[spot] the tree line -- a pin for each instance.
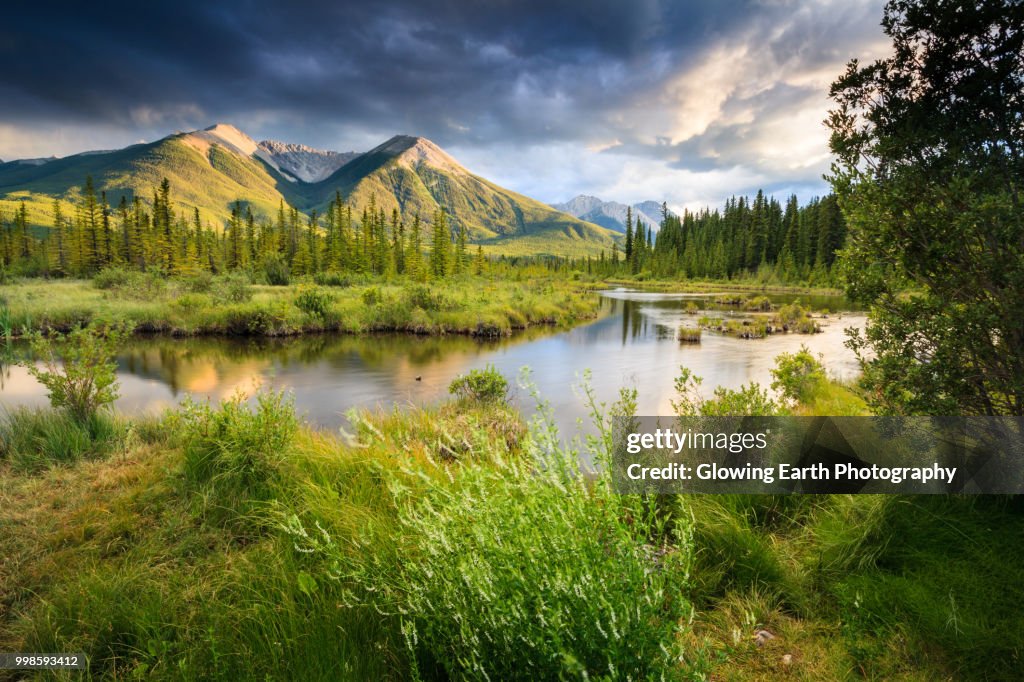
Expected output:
(749, 236)
(96, 235)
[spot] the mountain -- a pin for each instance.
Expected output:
(302, 163)
(611, 214)
(212, 168)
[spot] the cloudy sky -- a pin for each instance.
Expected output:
(682, 101)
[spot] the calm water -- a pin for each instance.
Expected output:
(633, 344)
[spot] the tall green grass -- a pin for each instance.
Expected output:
(230, 304)
(227, 542)
(31, 440)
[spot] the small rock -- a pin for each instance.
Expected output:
(762, 637)
(419, 378)
(787, 659)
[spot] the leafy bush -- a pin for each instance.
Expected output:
(255, 319)
(192, 302)
(426, 298)
(234, 288)
(796, 375)
(762, 303)
(372, 296)
(748, 400)
(275, 270)
(314, 301)
(480, 385)
(332, 279)
(200, 283)
(78, 371)
(237, 448)
(131, 284)
(112, 278)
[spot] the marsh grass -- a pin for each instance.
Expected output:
(450, 542)
(31, 440)
(230, 304)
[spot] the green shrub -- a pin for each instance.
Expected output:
(112, 278)
(332, 279)
(79, 372)
(797, 375)
(234, 288)
(314, 301)
(275, 270)
(131, 284)
(236, 448)
(372, 296)
(192, 302)
(480, 385)
(689, 334)
(426, 298)
(200, 283)
(748, 400)
(791, 313)
(255, 319)
(761, 303)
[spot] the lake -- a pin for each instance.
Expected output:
(632, 343)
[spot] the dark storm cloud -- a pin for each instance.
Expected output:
(679, 83)
(380, 64)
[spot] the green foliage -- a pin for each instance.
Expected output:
(32, 440)
(480, 385)
(112, 278)
(234, 288)
(200, 283)
(276, 271)
(332, 279)
(514, 570)
(517, 575)
(748, 400)
(129, 284)
(929, 175)
(797, 375)
(759, 303)
(314, 301)
(235, 448)
(372, 296)
(689, 334)
(425, 297)
(78, 370)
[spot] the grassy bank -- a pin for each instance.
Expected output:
(236, 543)
(231, 305)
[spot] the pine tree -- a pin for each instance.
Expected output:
(414, 253)
(440, 254)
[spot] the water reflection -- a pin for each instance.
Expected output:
(632, 343)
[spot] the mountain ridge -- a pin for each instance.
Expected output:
(213, 168)
(611, 214)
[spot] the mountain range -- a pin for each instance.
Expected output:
(611, 214)
(213, 168)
